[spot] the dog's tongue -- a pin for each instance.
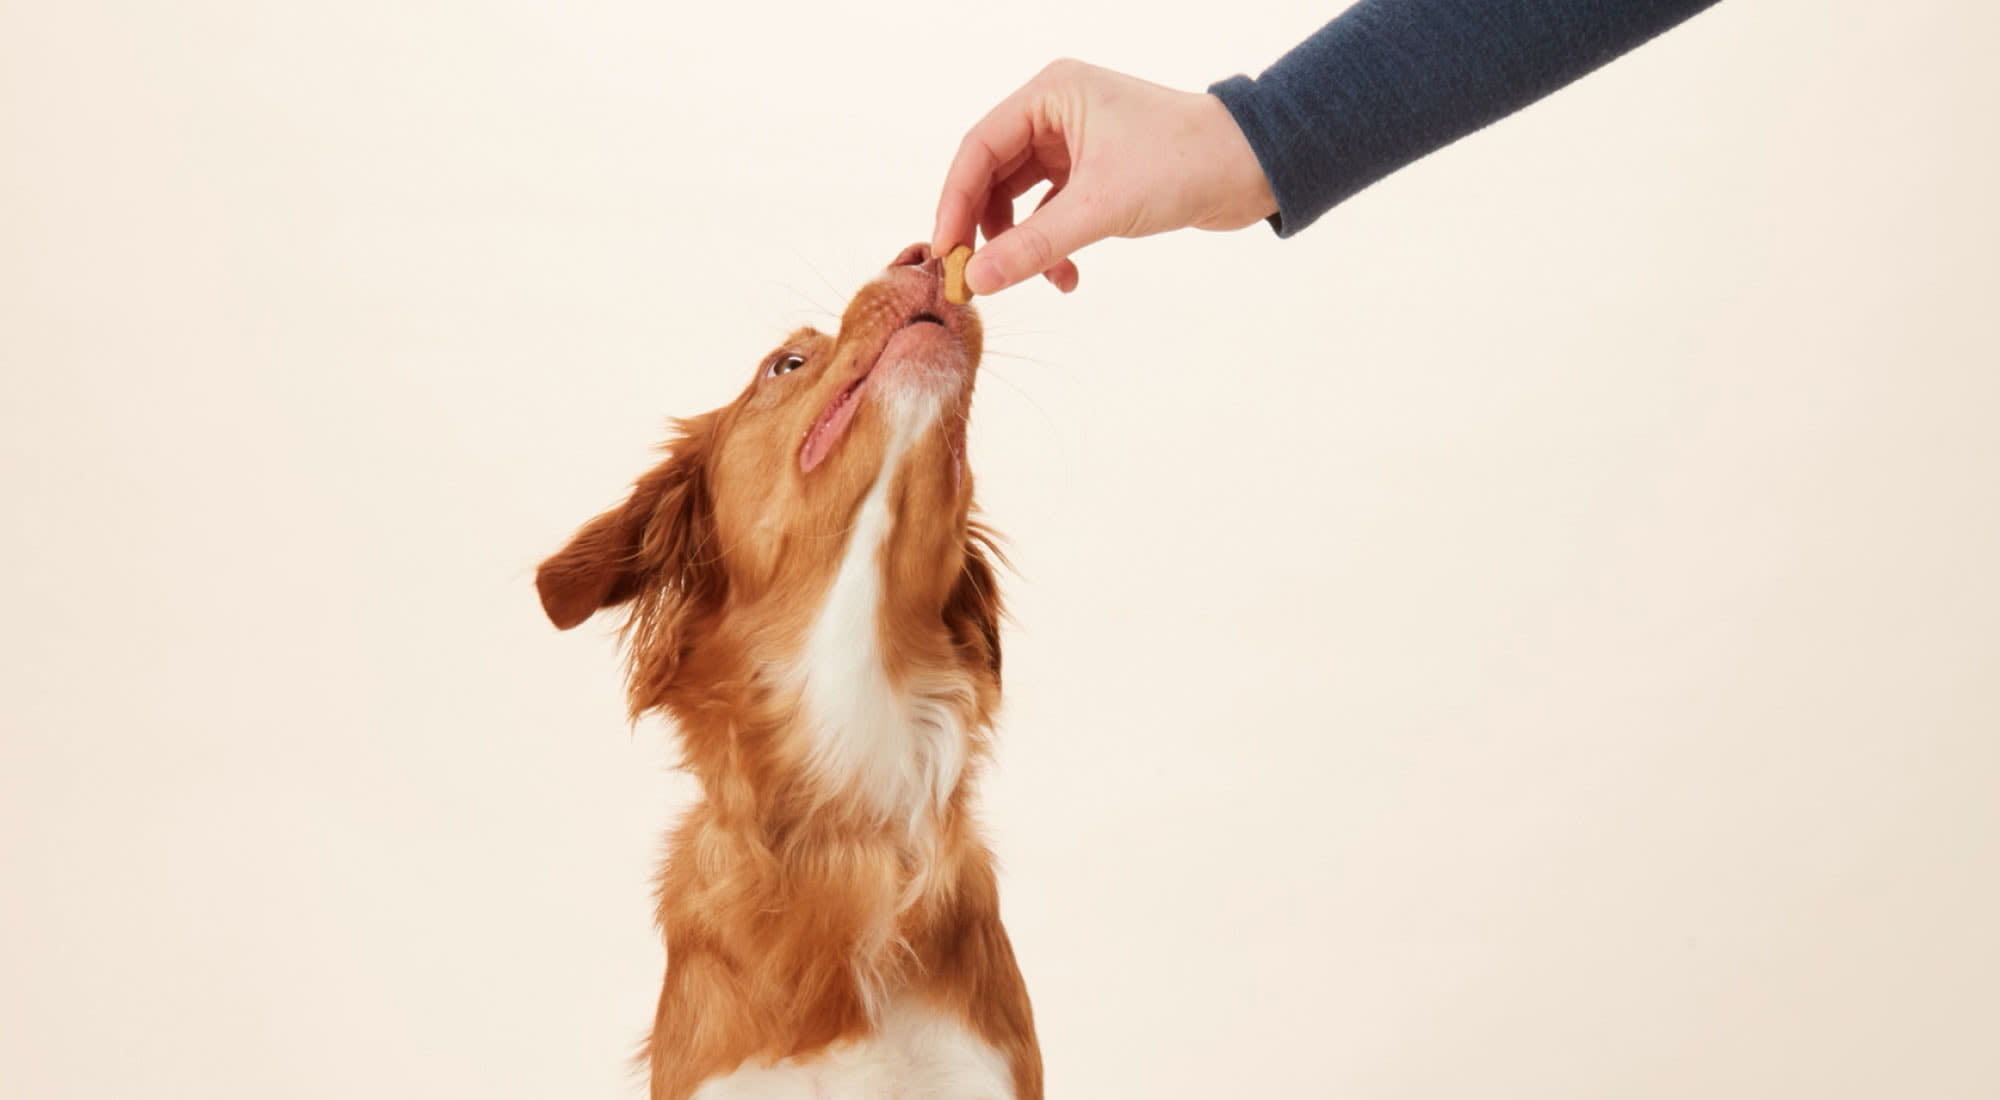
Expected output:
(832, 424)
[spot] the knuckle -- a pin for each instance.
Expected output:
(969, 145)
(1061, 68)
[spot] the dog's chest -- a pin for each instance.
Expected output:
(916, 1053)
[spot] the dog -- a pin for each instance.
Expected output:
(812, 602)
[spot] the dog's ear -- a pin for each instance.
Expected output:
(973, 610)
(662, 535)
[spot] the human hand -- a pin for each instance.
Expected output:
(1124, 157)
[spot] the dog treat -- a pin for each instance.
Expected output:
(955, 290)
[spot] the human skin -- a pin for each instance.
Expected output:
(1124, 157)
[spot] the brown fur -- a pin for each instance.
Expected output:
(784, 904)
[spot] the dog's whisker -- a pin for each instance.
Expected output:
(1024, 360)
(1047, 420)
(821, 276)
(818, 307)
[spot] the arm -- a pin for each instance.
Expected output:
(1390, 81)
(1385, 83)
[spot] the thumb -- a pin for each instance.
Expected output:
(1064, 223)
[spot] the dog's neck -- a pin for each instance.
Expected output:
(880, 724)
(857, 706)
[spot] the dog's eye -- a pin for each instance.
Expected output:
(784, 364)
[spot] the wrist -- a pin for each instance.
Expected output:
(1243, 194)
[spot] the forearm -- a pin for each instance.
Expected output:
(1390, 81)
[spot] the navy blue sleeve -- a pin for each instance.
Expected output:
(1391, 80)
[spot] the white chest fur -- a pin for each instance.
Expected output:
(915, 1053)
(901, 752)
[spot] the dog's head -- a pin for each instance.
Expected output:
(738, 539)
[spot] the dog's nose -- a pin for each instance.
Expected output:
(917, 255)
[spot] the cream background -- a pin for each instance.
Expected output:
(1535, 635)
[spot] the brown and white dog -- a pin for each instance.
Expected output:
(813, 605)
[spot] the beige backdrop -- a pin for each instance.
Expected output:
(1533, 636)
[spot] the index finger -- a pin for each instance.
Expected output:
(995, 148)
